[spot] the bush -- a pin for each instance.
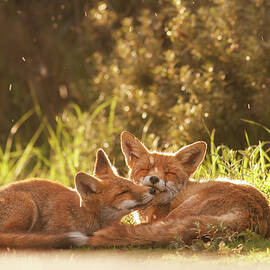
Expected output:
(174, 69)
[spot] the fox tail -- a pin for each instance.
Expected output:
(161, 233)
(166, 232)
(42, 240)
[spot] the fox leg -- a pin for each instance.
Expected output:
(161, 233)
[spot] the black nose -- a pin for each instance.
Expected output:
(154, 179)
(152, 191)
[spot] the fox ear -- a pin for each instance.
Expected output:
(87, 184)
(103, 165)
(131, 147)
(191, 156)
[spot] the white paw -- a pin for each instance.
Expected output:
(77, 238)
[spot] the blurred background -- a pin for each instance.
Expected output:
(75, 74)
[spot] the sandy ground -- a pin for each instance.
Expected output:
(122, 259)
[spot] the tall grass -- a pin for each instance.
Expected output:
(251, 164)
(72, 144)
(13, 161)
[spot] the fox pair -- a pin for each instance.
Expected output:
(42, 214)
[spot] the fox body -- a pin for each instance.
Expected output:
(44, 214)
(183, 208)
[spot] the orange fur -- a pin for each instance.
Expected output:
(184, 209)
(44, 214)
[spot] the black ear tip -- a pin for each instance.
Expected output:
(203, 144)
(102, 156)
(126, 133)
(79, 175)
(102, 160)
(101, 153)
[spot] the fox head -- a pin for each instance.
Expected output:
(111, 195)
(167, 172)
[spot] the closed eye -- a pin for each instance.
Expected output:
(123, 192)
(170, 173)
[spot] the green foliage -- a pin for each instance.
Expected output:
(175, 67)
(72, 145)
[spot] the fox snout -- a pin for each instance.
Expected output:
(163, 191)
(154, 182)
(154, 179)
(152, 191)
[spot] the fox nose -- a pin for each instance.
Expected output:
(152, 191)
(154, 179)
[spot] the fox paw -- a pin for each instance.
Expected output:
(78, 239)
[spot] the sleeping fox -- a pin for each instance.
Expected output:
(44, 214)
(184, 208)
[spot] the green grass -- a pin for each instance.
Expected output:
(70, 147)
(251, 164)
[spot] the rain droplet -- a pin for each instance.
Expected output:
(10, 87)
(23, 58)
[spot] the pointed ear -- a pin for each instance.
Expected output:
(103, 165)
(191, 156)
(131, 147)
(87, 184)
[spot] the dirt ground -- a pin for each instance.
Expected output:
(123, 259)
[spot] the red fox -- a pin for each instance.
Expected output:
(184, 209)
(43, 214)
